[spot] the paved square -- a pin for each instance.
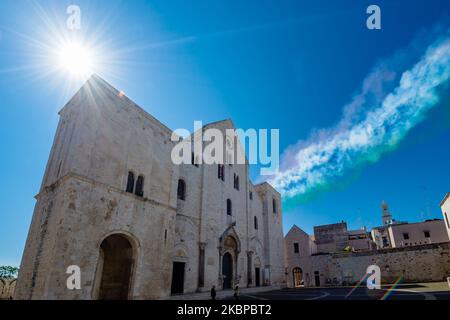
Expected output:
(431, 291)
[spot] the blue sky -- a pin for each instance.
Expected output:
(291, 65)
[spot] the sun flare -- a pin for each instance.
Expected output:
(76, 59)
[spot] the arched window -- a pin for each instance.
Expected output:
(115, 276)
(229, 209)
(255, 221)
(181, 192)
(194, 160)
(236, 181)
(197, 161)
(274, 205)
(229, 159)
(130, 182)
(139, 186)
(221, 172)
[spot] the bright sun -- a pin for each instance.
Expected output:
(76, 59)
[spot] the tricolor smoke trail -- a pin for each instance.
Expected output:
(368, 129)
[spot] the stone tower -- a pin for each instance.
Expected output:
(385, 214)
(107, 203)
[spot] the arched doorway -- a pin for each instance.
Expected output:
(298, 277)
(229, 249)
(117, 260)
(227, 270)
(257, 272)
(179, 269)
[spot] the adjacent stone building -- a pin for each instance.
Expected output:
(298, 246)
(138, 226)
(421, 263)
(360, 240)
(417, 252)
(395, 234)
(445, 207)
(331, 237)
(412, 234)
(380, 235)
(336, 237)
(7, 287)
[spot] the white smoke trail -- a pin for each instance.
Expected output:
(363, 138)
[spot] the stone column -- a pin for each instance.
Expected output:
(249, 268)
(220, 278)
(236, 276)
(201, 265)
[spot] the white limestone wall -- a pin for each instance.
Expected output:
(81, 225)
(274, 242)
(296, 235)
(292, 259)
(415, 264)
(203, 213)
(416, 233)
(445, 207)
(101, 136)
(187, 231)
(215, 194)
(98, 142)
(256, 236)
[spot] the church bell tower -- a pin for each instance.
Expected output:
(385, 214)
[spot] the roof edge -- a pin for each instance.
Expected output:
(445, 199)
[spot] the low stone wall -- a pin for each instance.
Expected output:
(425, 263)
(7, 287)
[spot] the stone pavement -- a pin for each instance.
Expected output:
(223, 294)
(427, 287)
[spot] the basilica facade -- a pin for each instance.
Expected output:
(137, 226)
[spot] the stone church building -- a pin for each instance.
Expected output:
(138, 226)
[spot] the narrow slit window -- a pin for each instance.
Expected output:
(221, 172)
(181, 192)
(140, 186)
(229, 208)
(130, 182)
(236, 181)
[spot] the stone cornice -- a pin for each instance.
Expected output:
(61, 181)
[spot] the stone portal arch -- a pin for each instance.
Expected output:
(297, 274)
(230, 232)
(116, 267)
(227, 271)
(2, 288)
(257, 270)
(229, 249)
(179, 261)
